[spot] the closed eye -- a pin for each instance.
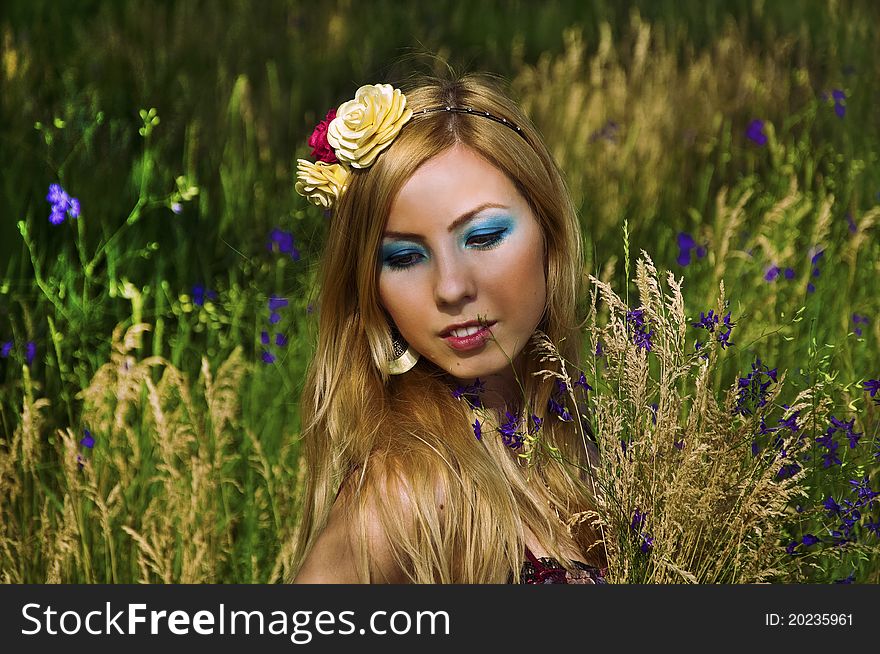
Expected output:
(486, 241)
(403, 260)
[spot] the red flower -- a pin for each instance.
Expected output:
(321, 149)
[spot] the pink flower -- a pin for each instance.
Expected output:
(321, 149)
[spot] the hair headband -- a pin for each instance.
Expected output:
(353, 135)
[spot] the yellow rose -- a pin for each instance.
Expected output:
(365, 126)
(320, 182)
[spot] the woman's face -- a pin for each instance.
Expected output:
(462, 246)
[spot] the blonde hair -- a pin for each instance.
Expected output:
(451, 507)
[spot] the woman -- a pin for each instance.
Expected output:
(452, 241)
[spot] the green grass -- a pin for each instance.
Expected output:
(238, 89)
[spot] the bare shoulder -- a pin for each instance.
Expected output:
(355, 516)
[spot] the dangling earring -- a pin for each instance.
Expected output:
(404, 356)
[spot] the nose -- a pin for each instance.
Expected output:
(454, 281)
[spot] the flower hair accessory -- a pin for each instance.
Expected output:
(352, 136)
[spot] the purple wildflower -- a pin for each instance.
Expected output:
(846, 580)
(62, 205)
(789, 273)
(554, 406)
(510, 435)
(752, 391)
(848, 428)
(686, 243)
(788, 470)
(608, 132)
(30, 352)
(872, 386)
(199, 293)
(850, 223)
(282, 242)
(88, 440)
(857, 319)
(706, 322)
(478, 429)
(276, 303)
(268, 357)
(831, 506)
(755, 132)
(863, 489)
(638, 520)
(582, 382)
(536, 424)
(176, 208)
(789, 549)
(5, 349)
(809, 539)
(839, 98)
(264, 337)
(771, 274)
(280, 340)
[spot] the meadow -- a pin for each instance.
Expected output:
(157, 272)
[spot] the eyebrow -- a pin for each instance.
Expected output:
(463, 218)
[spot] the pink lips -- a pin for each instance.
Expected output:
(472, 342)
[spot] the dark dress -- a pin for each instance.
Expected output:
(546, 570)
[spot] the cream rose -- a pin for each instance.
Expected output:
(320, 182)
(365, 126)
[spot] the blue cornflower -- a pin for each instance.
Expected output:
(478, 429)
(88, 440)
(5, 349)
(30, 352)
(755, 132)
(283, 242)
(62, 205)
